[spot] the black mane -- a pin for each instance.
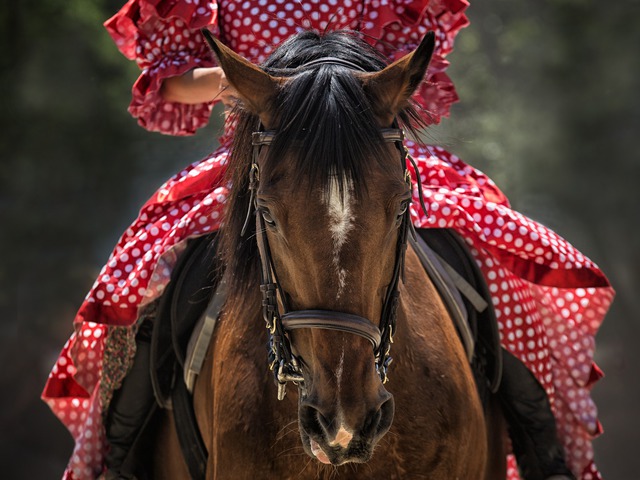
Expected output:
(325, 123)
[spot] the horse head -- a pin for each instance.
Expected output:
(325, 174)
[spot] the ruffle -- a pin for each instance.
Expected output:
(188, 205)
(549, 298)
(163, 37)
(156, 114)
(146, 18)
(396, 28)
(590, 472)
(550, 328)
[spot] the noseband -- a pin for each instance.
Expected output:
(282, 361)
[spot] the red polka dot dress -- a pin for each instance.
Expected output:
(549, 298)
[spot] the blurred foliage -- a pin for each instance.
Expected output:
(549, 108)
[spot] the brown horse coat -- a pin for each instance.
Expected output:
(336, 252)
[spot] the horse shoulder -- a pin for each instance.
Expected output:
(438, 398)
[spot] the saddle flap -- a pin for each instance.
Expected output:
(180, 308)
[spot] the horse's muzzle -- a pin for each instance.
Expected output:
(327, 439)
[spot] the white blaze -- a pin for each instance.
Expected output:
(343, 437)
(340, 224)
(339, 371)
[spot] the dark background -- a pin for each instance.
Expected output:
(550, 108)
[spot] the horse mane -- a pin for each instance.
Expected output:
(319, 114)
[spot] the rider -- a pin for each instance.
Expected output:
(549, 298)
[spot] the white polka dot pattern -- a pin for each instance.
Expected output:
(163, 37)
(545, 318)
(548, 297)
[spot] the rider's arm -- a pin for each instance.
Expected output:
(198, 86)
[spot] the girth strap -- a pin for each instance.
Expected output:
(201, 336)
(191, 442)
(337, 321)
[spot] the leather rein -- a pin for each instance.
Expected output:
(285, 365)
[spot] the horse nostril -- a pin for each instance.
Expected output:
(379, 421)
(322, 421)
(370, 426)
(313, 422)
(374, 425)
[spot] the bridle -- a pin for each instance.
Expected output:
(285, 365)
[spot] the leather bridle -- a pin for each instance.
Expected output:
(285, 365)
(282, 361)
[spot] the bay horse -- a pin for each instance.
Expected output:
(318, 161)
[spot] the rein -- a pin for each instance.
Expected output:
(285, 365)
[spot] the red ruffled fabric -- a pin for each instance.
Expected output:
(550, 328)
(164, 39)
(162, 36)
(549, 298)
(397, 29)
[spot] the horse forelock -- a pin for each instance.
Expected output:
(326, 132)
(326, 127)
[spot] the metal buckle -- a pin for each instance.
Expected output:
(254, 175)
(288, 372)
(407, 178)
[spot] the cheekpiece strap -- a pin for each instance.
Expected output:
(283, 362)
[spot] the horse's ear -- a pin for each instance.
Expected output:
(391, 88)
(256, 88)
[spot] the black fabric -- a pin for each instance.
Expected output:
(186, 297)
(161, 347)
(131, 408)
(193, 282)
(532, 426)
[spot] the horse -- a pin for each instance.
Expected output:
(315, 245)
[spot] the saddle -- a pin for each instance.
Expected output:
(196, 294)
(193, 282)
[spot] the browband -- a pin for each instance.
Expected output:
(266, 137)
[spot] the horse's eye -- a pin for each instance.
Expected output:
(403, 210)
(268, 219)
